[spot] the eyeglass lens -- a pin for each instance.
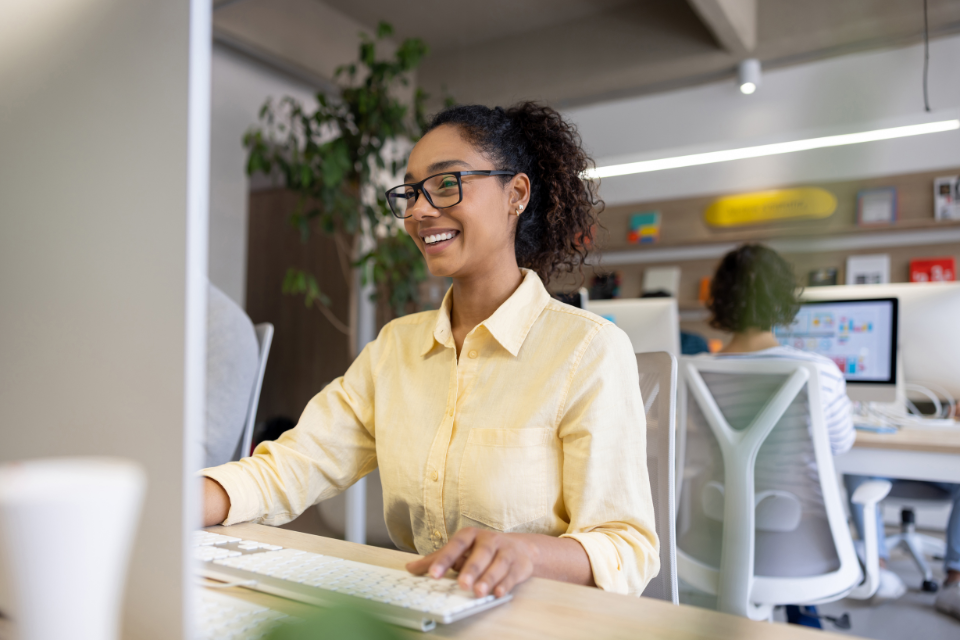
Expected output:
(444, 191)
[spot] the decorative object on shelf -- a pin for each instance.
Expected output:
(933, 270)
(771, 206)
(644, 228)
(946, 198)
(703, 296)
(824, 277)
(715, 345)
(877, 206)
(605, 286)
(871, 269)
(661, 279)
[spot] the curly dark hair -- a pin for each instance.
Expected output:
(553, 233)
(753, 288)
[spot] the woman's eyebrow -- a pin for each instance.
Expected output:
(436, 167)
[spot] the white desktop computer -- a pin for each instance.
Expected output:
(652, 324)
(859, 335)
(103, 244)
(928, 343)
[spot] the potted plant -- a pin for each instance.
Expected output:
(337, 158)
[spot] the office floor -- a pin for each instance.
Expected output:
(908, 618)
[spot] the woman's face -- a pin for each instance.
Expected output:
(482, 224)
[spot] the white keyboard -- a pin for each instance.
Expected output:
(222, 617)
(395, 596)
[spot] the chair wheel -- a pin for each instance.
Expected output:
(930, 586)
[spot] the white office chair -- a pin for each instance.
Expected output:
(264, 332)
(907, 495)
(658, 386)
(743, 513)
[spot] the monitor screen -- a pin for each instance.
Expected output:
(859, 335)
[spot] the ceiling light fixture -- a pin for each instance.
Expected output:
(712, 157)
(748, 75)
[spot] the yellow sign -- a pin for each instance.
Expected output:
(771, 206)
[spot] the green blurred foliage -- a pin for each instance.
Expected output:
(331, 157)
(339, 623)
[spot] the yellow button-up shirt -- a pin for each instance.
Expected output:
(538, 427)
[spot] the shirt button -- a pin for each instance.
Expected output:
(436, 534)
(435, 476)
(472, 354)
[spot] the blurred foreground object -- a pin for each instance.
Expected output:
(66, 530)
(337, 624)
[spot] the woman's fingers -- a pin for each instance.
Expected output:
(439, 562)
(481, 555)
(494, 574)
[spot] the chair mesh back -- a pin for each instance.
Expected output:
(658, 387)
(785, 462)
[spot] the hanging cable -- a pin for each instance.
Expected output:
(926, 56)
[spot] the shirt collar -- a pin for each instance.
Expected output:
(509, 325)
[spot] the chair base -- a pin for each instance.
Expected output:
(918, 545)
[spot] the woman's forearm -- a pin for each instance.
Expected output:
(559, 559)
(216, 503)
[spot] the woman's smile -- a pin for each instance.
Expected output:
(436, 240)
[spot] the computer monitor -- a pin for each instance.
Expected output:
(652, 324)
(929, 340)
(860, 336)
(103, 245)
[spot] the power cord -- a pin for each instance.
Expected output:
(896, 416)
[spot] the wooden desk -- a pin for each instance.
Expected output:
(911, 454)
(540, 608)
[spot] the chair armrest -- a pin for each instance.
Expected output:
(869, 494)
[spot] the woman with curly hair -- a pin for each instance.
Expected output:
(754, 290)
(508, 427)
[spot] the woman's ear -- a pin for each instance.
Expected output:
(519, 193)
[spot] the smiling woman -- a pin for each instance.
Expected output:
(508, 427)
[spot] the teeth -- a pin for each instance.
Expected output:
(440, 237)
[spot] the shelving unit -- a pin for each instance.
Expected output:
(687, 241)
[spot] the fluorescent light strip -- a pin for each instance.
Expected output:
(770, 149)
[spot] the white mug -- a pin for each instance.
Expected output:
(67, 526)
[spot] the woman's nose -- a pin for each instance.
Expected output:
(422, 209)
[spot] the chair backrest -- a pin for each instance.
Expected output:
(264, 332)
(658, 387)
(739, 591)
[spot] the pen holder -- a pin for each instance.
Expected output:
(67, 526)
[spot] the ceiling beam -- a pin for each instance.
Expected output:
(732, 22)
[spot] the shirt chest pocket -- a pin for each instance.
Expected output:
(508, 476)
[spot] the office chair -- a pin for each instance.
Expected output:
(658, 387)
(264, 332)
(907, 495)
(744, 513)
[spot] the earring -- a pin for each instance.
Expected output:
(519, 210)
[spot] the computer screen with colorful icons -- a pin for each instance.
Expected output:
(860, 336)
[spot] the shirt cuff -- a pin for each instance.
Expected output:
(242, 491)
(608, 571)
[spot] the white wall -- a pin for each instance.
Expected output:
(240, 87)
(837, 95)
(102, 258)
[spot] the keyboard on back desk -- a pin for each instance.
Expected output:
(395, 596)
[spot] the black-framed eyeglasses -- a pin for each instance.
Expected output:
(442, 190)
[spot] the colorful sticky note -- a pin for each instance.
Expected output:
(644, 228)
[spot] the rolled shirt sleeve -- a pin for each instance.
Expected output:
(331, 447)
(605, 483)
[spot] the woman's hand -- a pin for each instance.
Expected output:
(488, 561)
